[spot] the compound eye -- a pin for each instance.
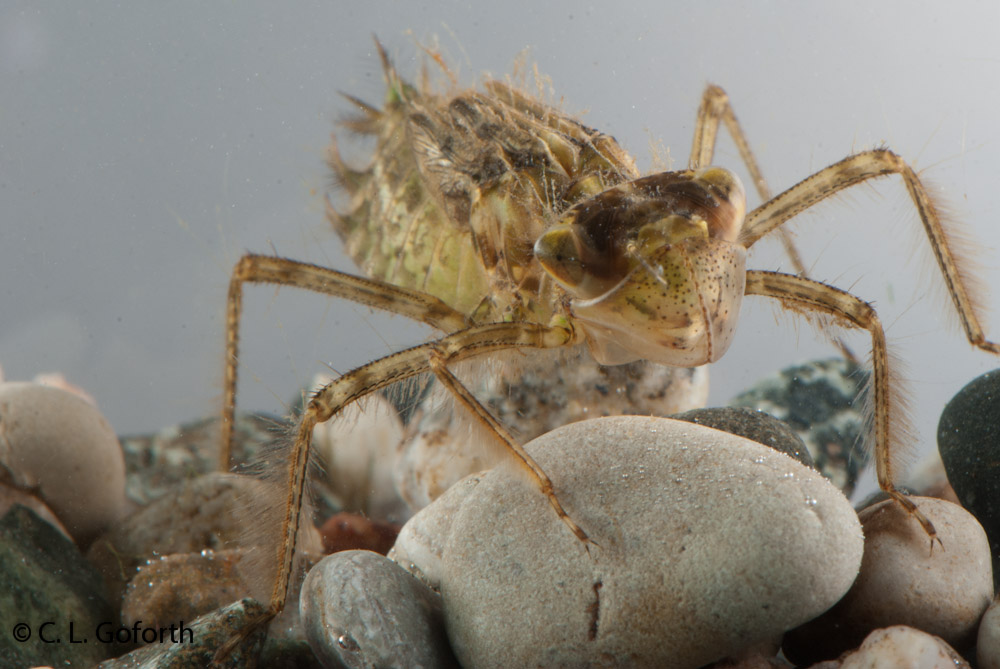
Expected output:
(562, 253)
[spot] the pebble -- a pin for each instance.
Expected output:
(754, 425)
(360, 609)
(899, 647)
(181, 587)
(45, 578)
(59, 447)
(969, 443)
(706, 543)
(988, 643)
(207, 512)
(821, 402)
(358, 451)
(904, 582)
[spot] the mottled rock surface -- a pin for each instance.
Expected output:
(44, 578)
(197, 645)
(213, 512)
(176, 589)
(822, 402)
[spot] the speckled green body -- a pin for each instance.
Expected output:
(459, 188)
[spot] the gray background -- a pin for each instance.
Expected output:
(144, 146)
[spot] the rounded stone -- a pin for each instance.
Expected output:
(59, 447)
(754, 425)
(903, 581)
(969, 443)
(704, 543)
(358, 450)
(213, 511)
(899, 646)
(181, 587)
(360, 609)
(988, 642)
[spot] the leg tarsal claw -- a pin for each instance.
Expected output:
(912, 509)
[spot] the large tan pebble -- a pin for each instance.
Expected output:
(988, 645)
(704, 543)
(904, 582)
(61, 448)
(212, 511)
(899, 647)
(181, 587)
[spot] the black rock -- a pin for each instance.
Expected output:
(969, 443)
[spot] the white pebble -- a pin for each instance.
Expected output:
(358, 450)
(60, 447)
(899, 647)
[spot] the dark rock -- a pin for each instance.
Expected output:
(44, 578)
(822, 402)
(754, 425)
(969, 443)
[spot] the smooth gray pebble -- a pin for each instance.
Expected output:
(360, 609)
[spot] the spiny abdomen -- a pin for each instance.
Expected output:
(460, 187)
(394, 230)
